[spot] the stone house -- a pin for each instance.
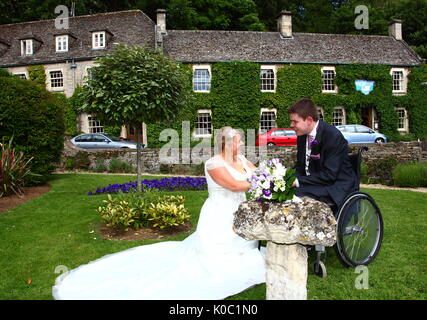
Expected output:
(68, 54)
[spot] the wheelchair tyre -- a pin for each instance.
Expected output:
(359, 230)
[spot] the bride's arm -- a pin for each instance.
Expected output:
(222, 177)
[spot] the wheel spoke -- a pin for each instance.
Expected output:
(360, 233)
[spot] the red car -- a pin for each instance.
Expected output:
(277, 137)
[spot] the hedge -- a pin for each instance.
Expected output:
(34, 117)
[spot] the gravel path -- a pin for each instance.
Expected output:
(380, 186)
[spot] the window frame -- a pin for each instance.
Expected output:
(90, 120)
(272, 110)
(203, 135)
(202, 67)
(24, 48)
(344, 122)
(329, 68)
(405, 120)
(58, 41)
(19, 74)
(50, 87)
(274, 69)
(95, 45)
(404, 81)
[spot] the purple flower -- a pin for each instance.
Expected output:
(315, 156)
(167, 184)
(267, 192)
(314, 143)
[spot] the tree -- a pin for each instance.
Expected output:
(135, 85)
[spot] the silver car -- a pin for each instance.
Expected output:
(101, 141)
(356, 133)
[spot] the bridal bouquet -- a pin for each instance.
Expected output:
(272, 181)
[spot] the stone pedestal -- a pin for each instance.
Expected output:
(286, 276)
(287, 227)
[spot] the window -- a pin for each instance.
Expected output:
(84, 138)
(267, 120)
(98, 40)
(95, 125)
(98, 138)
(61, 43)
(351, 129)
(279, 133)
(290, 133)
(56, 79)
(320, 113)
(268, 79)
(22, 75)
(328, 77)
(338, 116)
(26, 47)
(203, 123)
(403, 123)
(399, 80)
(363, 129)
(201, 78)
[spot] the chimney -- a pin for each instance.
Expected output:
(284, 24)
(395, 29)
(161, 21)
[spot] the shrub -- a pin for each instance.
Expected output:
(81, 160)
(14, 170)
(138, 210)
(363, 173)
(119, 213)
(34, 117)
(117, 165)
(412, 175)
(168, 212)
(69, 164)
(380, 171)
(100, 165)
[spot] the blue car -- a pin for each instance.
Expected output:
(356, 133)
(101, 141)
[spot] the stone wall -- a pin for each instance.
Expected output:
(402, 152)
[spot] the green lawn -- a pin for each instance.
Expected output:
(59, 228)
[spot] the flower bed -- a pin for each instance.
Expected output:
(164, 184)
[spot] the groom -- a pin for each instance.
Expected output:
(323, 168)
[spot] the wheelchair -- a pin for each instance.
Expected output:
(359, 227)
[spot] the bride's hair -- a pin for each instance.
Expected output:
(224, 138)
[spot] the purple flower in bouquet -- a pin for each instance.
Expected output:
(267, 192)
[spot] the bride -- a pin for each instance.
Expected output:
(211, 263)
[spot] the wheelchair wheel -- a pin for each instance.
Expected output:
(359, 230)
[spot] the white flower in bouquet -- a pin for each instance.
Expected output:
(272, 181)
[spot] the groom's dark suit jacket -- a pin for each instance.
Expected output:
(332, 175)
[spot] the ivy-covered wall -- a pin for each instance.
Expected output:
(235, 98)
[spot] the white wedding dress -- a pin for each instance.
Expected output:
(211, 263)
